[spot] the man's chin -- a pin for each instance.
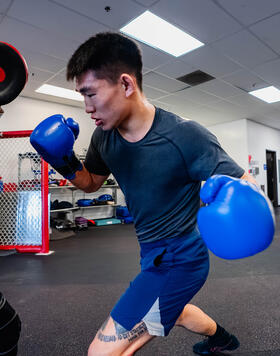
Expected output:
(98, 123)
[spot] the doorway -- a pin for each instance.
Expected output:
(271, 175)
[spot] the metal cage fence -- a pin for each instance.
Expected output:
(24, 213)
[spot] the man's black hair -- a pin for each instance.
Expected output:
(109, 55)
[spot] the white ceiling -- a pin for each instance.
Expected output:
(242, 51)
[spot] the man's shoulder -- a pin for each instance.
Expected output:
(170, 124)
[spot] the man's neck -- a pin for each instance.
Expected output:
(138, 123)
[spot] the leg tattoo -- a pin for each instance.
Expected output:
(130, 335)
(105, 338)
(121, 332)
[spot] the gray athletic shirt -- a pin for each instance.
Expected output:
(161, 174)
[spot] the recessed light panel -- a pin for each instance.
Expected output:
(268, 94)
(160, 34)
(59, 92)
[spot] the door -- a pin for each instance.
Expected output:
(271, 175)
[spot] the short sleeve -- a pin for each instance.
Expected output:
(203, 154)
(94, 162)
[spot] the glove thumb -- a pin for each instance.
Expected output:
(212, 186)
(74, 126)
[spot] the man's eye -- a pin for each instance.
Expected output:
(90, 95)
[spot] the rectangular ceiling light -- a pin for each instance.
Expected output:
(59, 92)
(268, 94)
(160, 34)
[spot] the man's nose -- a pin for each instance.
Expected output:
(89, 108)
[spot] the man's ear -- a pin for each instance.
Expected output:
(128, 83)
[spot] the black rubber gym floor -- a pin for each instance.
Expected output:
(65, 297)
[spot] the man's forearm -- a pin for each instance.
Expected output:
(249, 178)
(84, 181)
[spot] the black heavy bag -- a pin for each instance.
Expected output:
(10, 326)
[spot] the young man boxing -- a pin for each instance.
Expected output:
(159, 161)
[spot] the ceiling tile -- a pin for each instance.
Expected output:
(146, 3)
(210, 61)
(185, 109)
(249, 102)
(245, 80)
(36, 13)
(177, 102)
(219, 88)
(60, 81)
(145, 70)
(209, 116)
(4, 5)
(229, 109)
(266, 31)
(153, 58)
(30, 87)
(122, 11)
(273, 113)
(25, 36)
(264, 120)
(250, 11)
(152, 93)
(245, 49)
(38, 74)
(276, 105)
(203, 19)
(62, 72)
(270, 72)
(161, 105)
(42, 61)
(175, 69)
(188, 112)
(197, 96)
(158, 81)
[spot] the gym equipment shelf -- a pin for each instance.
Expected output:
(72, 188)
(68, 209)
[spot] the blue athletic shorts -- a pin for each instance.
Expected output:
(172, 272)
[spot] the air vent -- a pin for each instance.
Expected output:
(195, 78)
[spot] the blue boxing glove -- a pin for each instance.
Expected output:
(238, 221)
(54, 139)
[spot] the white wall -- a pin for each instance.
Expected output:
(25, 113)
(260, 139)
(233, 138)
(245, 137)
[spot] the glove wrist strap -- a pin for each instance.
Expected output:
(72, 165)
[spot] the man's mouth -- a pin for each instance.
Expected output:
(98, 122)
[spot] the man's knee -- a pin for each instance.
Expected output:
(94, 350)
(10, 327)
(113, 340)
(106, 341)
(182, 316)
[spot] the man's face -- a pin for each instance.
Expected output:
(103, 100)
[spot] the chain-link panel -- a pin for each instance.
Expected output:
(20, 193)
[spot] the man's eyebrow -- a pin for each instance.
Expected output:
(84, 90)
